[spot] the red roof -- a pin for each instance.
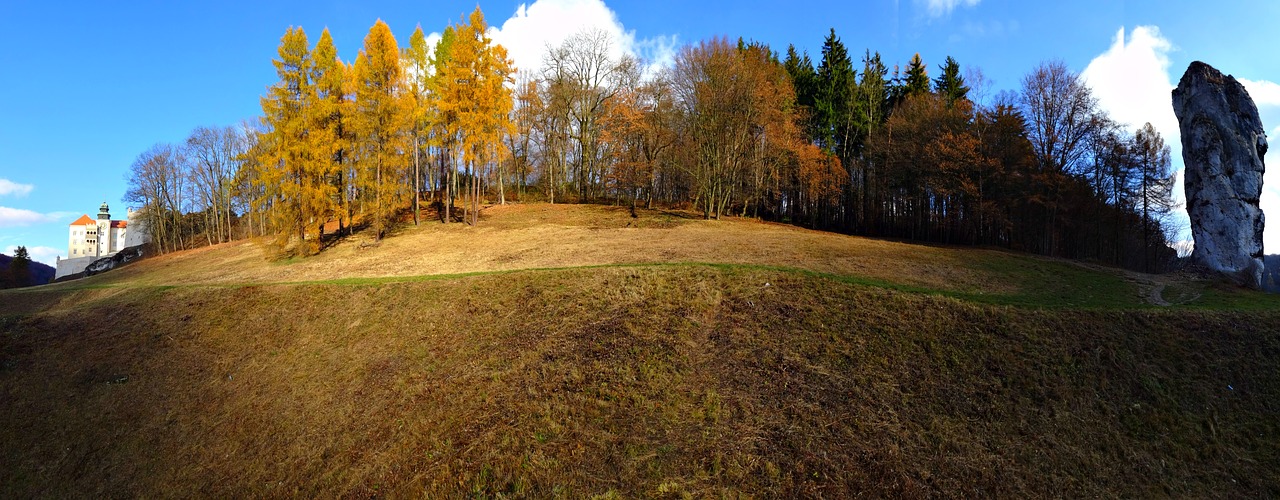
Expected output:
(84, 220)
(120, 223)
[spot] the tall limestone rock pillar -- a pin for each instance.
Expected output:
(1223, 142)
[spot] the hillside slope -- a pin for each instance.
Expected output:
(739, 358)
(541, 236)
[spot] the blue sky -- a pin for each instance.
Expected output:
(87, 86)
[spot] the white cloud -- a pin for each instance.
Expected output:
(8, 187)
(940, 8)
(42, 254)
(1264, 93)
(1132, 83)
(19, 217)
(547, 23)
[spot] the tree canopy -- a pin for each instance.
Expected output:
(729, 128)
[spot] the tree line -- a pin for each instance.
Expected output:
(731, 128)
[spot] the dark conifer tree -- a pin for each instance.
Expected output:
(916, 80)
(950, 84)
(835, 84)
(20, 268)
(804, 80)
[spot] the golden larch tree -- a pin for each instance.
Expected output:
(287, 161)
(417, 62)
(444, 122)
(328, 138)
(476, 99)
(383, 113)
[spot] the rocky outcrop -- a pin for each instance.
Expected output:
(74, 269)
(118, 259)
(1223, 142)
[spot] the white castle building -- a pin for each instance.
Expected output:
(89, 240)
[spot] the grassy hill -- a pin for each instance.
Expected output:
(570, 351)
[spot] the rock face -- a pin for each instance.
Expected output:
(1223, 142)
(119, 259)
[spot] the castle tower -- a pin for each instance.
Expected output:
(103, 235)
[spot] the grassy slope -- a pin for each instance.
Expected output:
(882, 368)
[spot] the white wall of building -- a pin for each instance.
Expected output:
(68, 267)
(137, 232)
(88, 242)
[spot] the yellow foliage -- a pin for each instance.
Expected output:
(383, 115)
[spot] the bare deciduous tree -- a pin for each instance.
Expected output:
(156, 183)
(583, 73)
(214, 155)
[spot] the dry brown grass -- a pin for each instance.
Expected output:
(631, 381)
(542, 236)
(553, 236)
(638, 382)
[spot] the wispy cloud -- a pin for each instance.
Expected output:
(941, 8)
(991, 28)
(8, 187)
(19, 217)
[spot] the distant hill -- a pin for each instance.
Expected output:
(40, 273)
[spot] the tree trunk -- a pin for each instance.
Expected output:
(502, 195)
(551, 180)
(377, 198)
(446, 170)
(417, 177)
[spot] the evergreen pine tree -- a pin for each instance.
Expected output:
(20, 268)
(804, 80)
(917, 76)
(950, 85)
(834, 97)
